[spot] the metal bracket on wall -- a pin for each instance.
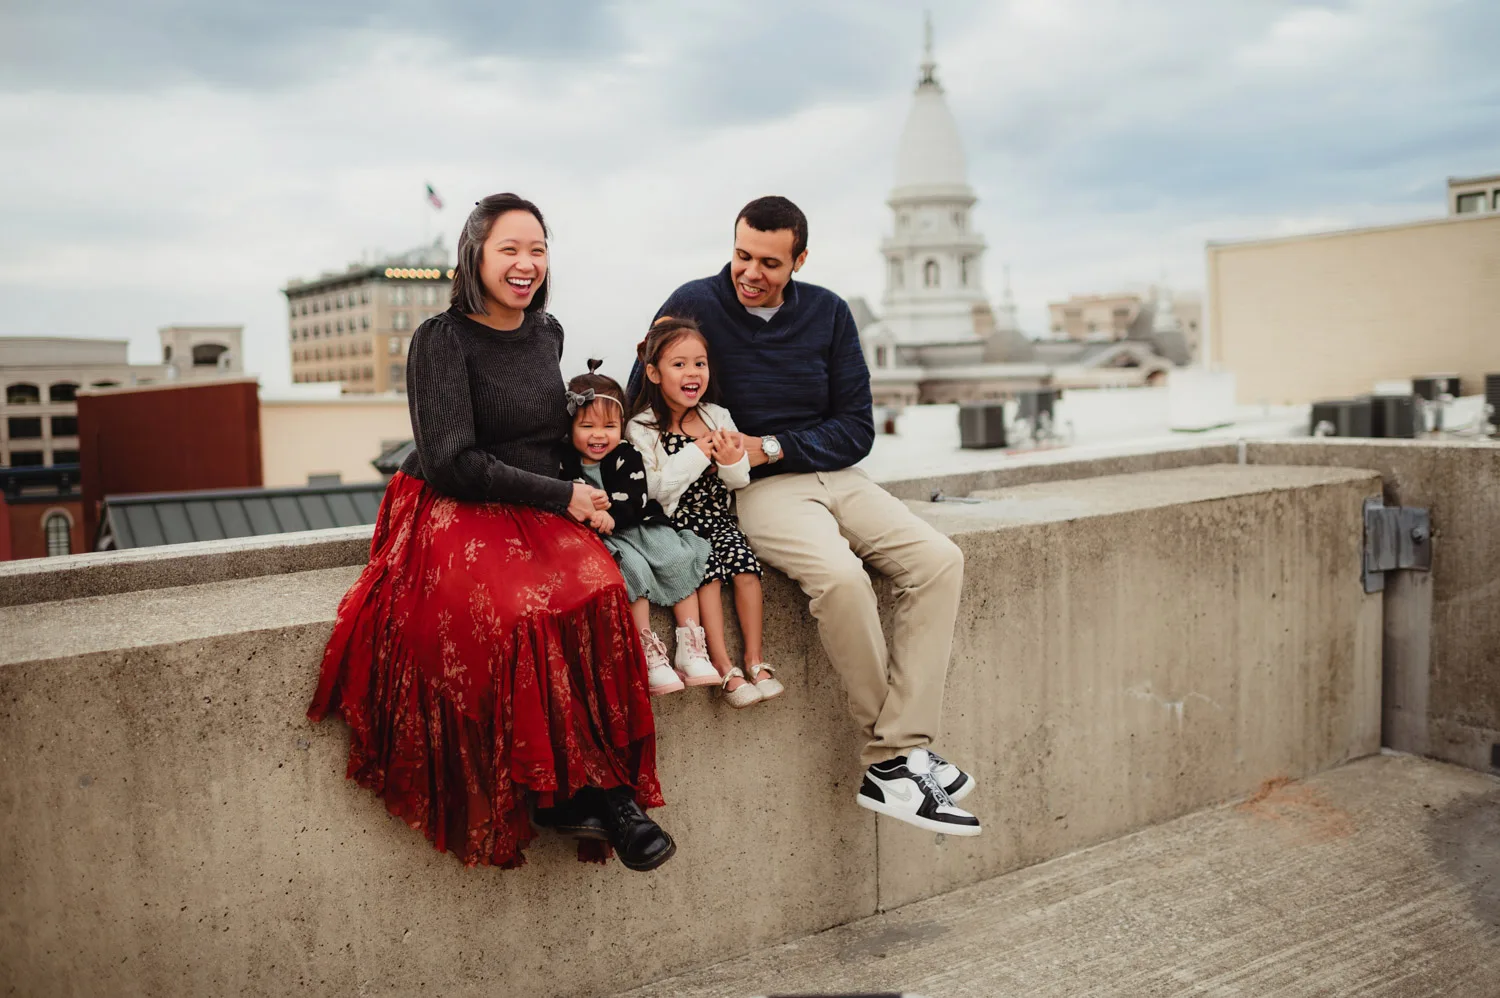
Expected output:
(1396, 538)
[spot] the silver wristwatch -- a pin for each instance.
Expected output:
(772, 447)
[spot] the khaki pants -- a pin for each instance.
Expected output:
(820, 529)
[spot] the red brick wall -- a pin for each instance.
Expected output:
(21, 533)
(167, 439)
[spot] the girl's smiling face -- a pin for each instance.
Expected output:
(682, 372)
(596, 430)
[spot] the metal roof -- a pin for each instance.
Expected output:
(154, 519)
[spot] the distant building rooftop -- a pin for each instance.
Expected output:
(153, 519)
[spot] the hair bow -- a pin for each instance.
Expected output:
(580, 400)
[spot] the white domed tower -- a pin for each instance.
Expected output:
(933, 280)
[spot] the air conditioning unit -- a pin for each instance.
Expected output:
(1341, 418)
(1393, 416)
(981, 425)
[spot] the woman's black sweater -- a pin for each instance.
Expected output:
(487, 410)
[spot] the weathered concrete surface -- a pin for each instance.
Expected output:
(171, 824)
(1449, 691)
(1150, 644)
(1380, 879)
(43, 580)
(1062, 465)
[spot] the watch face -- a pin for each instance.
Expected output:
(771, 446)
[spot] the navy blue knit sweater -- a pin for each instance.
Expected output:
(801, 377)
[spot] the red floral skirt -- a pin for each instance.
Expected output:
(487, 652)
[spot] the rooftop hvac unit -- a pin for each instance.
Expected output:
(1341, 418)
(1492, 398)
(981, 425)
(1393, 416)
(1431, 386)
(1032, 402)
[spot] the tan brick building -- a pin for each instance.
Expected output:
(355, 327)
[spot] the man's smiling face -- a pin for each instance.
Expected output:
(762, 265)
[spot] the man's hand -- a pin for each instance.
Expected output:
(602, 522)
(752, 447)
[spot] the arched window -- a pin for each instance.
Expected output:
(58, 530)
(963, 270)
(63, 391)
(22, 394)
(930, 274)
(208, 354)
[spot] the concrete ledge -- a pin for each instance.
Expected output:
(170, 823)
(42, 580)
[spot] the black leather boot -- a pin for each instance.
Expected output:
(642, 843)
(577, 817)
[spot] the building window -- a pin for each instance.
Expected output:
(65, 457)
(209, 354)
(395, 346)
(302, 309)
(105, 384)
(930, 274)
(880, 356)
(1468, 203)
(59, 534)
(398, 376)
(1497, 200)
(400, 320)
(364, 322)
(23, 394)
(898, 274)
(340, 327)
(63, 391)
(29, 428)
(65, 426)
(399, 296)
(26, 459)
(430, 295)
(364, 296)
(958, 220)
(315, 308)
(963, 270)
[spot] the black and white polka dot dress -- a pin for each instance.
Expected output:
(705, 510)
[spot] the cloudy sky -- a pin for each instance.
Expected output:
(175, 161)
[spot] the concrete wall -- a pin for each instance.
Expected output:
(1443, 627)
(1328, 315)
(1129, 649)
(323, 436)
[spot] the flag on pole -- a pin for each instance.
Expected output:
(433, 199)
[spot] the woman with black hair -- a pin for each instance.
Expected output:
(486, 660)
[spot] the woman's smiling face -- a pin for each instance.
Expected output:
(682, 372)
(515, 260)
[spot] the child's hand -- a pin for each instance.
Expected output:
(706, 444)
(585, 501)
(602, 522)
(730, 447)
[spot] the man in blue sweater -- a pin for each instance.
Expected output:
(790, 369)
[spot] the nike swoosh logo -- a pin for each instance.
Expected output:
(903, 795)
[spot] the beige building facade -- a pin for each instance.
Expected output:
(1303, 318)
(42, 376)
(304, 439)
(354, 328)
(1123, 315)
(1474, 195)
(197, 352)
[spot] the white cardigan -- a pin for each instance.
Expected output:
(669, 475)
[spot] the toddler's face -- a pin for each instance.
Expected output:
(596, 430)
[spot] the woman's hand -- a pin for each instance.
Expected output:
(586, 501)
(730, 447)
(602, 522)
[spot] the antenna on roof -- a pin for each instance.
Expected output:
(929, 65)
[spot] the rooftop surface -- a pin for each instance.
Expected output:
(1378, 879)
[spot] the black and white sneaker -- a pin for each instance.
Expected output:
(905, 788)
(955, 782)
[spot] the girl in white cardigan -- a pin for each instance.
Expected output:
(695, 457)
